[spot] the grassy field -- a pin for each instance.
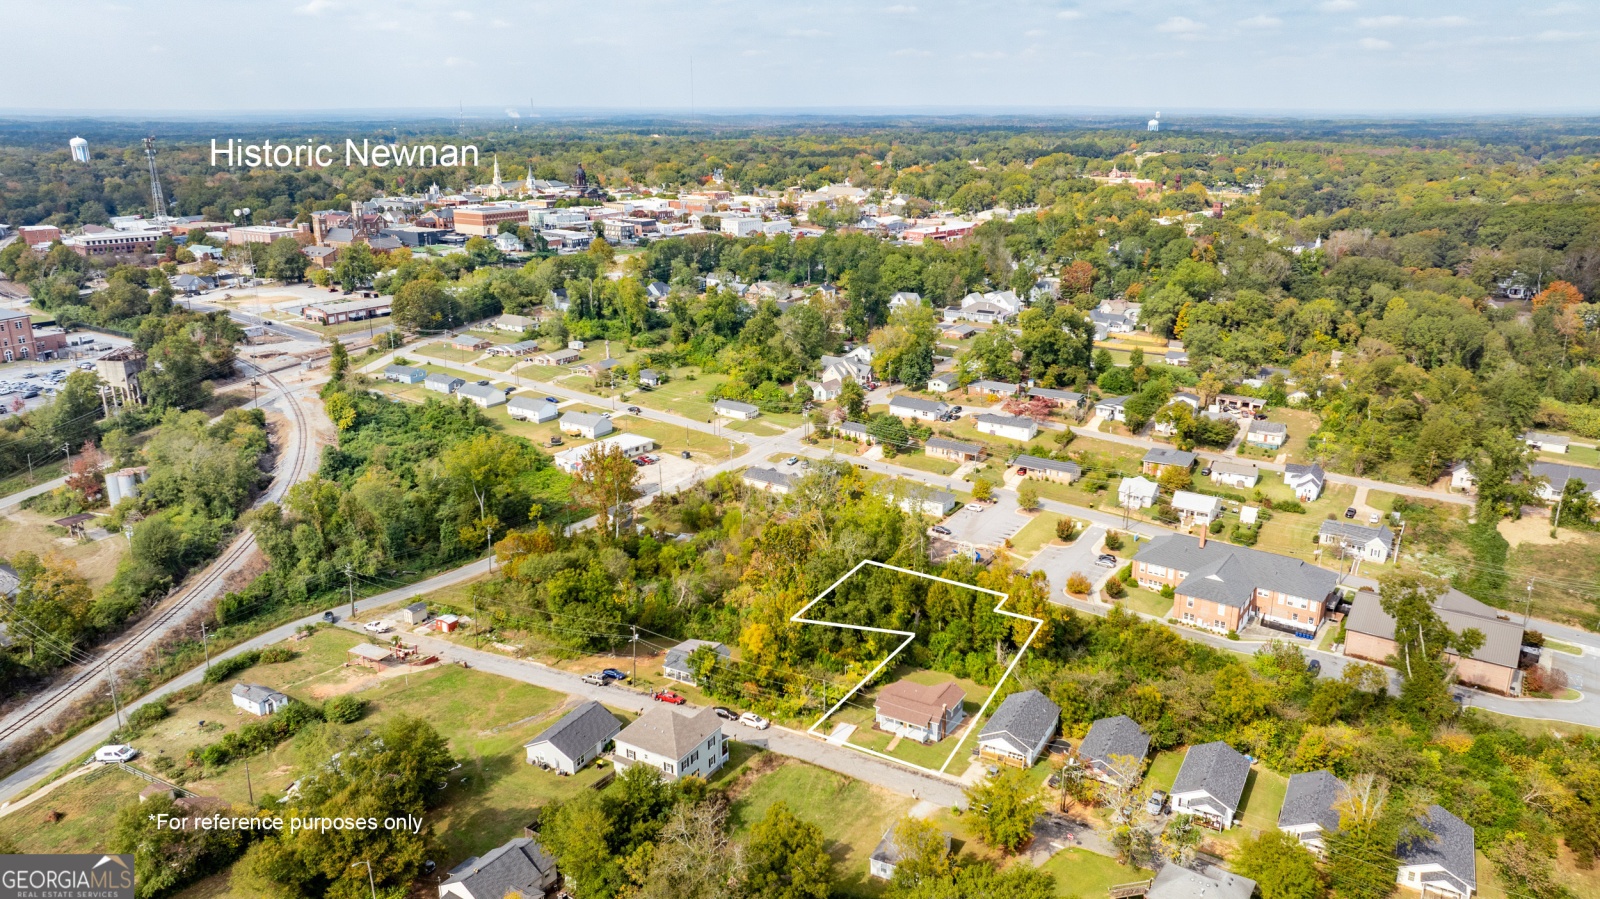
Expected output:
(1163, 770)
(853, 816)
(25, 531)
(1036, 533)
(685, 394)
(1302, 425)
(75, 817)
(1087, 875)
(1147, 601)
(44, 471)
(925, 462)
(1577, 559)
(1575, 455)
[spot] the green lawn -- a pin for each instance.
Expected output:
(45, 471)
(1088, 875)
(1575, 455)
(853, 815)
(1262, 800)
(1164, 770)
(686, 394)
(1147, 601)
(1036, 533)
(75, 817)
(924, 462)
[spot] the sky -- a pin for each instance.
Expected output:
(1172, 56)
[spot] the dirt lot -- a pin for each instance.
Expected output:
(24, 531)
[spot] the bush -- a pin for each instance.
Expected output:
(275, 654)
(147, 714)
(1115, 590)
(1113, 541)
(982, 489)
(224, 668)
(1079, 584)
(344, 709)
(1289, 505)
(1167, 592)
(1245, 536)
(1216, 526)
(1066, 529)
(1125, 574)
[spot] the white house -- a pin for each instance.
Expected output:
(886, 856)
(1196, 508)
(923, 501)
(1011, 427)
(258, 700)
(1137, 493)
(1461, 478)
(1111, 408)
(855, 430)
(736, 410)
(1556, 475)
(902, 299)
(572, 461)
(675, 665)
(1210, 783)
(676, 745)
(1211, 882)
(1372, 544)
(586, 424)
(534, 409)
(912, 407)
(943, 382)
(1268, 434)
(1020, 729)
(923, 712)
(1235, 474)
(768, 479)
(1443, 860)
(481, 396)
(576, 740)
(1311, 807)
(1547, 443)
(521, 867)
(1305, 480)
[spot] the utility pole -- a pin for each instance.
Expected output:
(371, 884)
(67, 448)
(1528, 604)
(635, 641)
(203, 646)
(247, 784)
(349, 577)
(115, 705)
(255, 384)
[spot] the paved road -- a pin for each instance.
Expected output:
(1059, 562)
(16, 499)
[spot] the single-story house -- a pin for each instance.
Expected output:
(258, 700)
(886, 856)
(1112, 408)
(404, 374)
(1441, 861)
(1066, 398)
(1047, 469)
(1556, 475)
(991, 388)
(1109, 739)
(631, 445)
(469, 342)
(1269, 434)
(1547, 443)
(440, 383)
(576, 740)
(1196, 508)
(826, 391)
(598, 367)
(768, 479)
(649, 377)
(1011, 427)
(445, 624)
(1496, 665)
(1234, 474)
(1237, 405)
(521, 867)
(955, 450)
(559, 357)
(520, 348)
(1310, 810)
(1305, 480)
(675, 666)
(1177, 357)
(913, 407)
(1461, 478)
(1160, 458)
(1137, 493)
(855, 430)
(936, 503)
(532, 408)
(514, 323)
(1177, 882)
(1371, 543)
(734, 409)
(1019, 729)
(923, 712)
(1210, 783)
(586, 424)
(416, 613)
(943, 381)
(481, 396)
(676, 745)
(959, 331)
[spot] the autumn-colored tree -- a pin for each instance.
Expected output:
(86, 479)
(1076, 278)
(1560, 292)
(607, 481)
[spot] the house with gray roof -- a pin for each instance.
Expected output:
(1112, 408)
(886, 855)
(1047, 469)
(1223, 587)
(1019, 729)
(735, 409)
(1547, 443)
(1267, 434)
(677, 745)
(1371, 543)
(768, 479)
(258, 700)
(586, 424)
(855, 430)
(576, 740)
(1068, 399)
(1210, 784)
(1305, 480)
(1310, 807)
(991, 388)
(441, 383)
(521, 867)
(1160, 458)
(404, 374)
(956, 450)
(481, 395)
(1109, 737)
(1011, 427)
(1234, 474)
(675, 666)
(649, 377)
(1557, 475)
(532, 408)
(915, 407)
(1442, 860)
(1211, 882)
(1496, 665)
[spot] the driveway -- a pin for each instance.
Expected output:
(986, 525)
(1059, 562)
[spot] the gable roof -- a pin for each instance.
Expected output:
(1216, 769)
(1359, 533)
(1310, 799)
(1060, 396)
(663, 732)
(1448, 844)
(917, 405)
(735, 406)
(1558, 474)
(257, 693)
(1008, 421)
(767, 476)
(1107, 737)
(404, 371)
(1161, 455)
(479, 392)
(439, 378)
(579, 730)
(918, 704)
(957, 446)
(515, 868)
(677, 658)
(1111, 402)
(1177, 882)
(1042, 464)
(1224, 467)
(1028, 718)
(1189, 501)
(1293, 472)
(1229, 574)
(577, 419)
(530, 403)
(1502, 638)
(1268, 427)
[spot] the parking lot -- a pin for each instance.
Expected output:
(985, 525)
(34, 384)
(1059, 562)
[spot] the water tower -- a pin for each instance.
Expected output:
(80, 149)
(1154, 124)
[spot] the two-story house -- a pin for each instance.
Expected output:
(1210, 784)
(677, 745)
(1222, 587)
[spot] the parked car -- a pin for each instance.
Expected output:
(1261, 416)
(792, 460)
(1106, 561)
(115, 752)
(551, 399)
(1205, 472)
(596, 680)
(668, 697)
(726, 714)
(956, 409)
(1314, 667)
(1350, 512)
(483, 383)
(375, 627)
(1157, 802)
(329, 617)
(1374, 518)
(941, 530)
(614, 674)
(635, 410)
(751, 719)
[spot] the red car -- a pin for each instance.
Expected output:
(669, 697)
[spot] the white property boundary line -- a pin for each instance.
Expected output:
(798, 618)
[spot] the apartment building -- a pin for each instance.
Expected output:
(1222, 587)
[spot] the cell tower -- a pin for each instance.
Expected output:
(157, 198)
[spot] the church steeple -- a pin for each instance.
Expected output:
(528, 182)
(497, 170)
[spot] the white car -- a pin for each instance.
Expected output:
(1376, 517)
(376, 627)
(115, 752)
(751, 719)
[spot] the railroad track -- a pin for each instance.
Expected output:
(214, 574)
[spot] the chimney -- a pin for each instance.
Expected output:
(1203, 537)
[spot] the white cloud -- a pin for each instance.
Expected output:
(1372, 43)
(315, 8)
(1069, 14)
(909, 51)
(1180, 25)
(1412, 22)
(808, 32)
(1262, 21)
(1034, 32)
(901, 8)
(1557, 36)
(1338, 5)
